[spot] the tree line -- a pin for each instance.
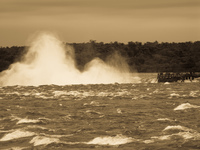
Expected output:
(143, 57)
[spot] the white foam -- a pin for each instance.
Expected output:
(193, 93)
(59, 93)
(25, 120)
(16, 148)
(178, 127)
(119, 111)
(148, 141)
(164, 119)
(163, 137)
(188, 135)
(166, 83)
(184, 135)
(6, 131)
(13, 117)
(35, 126)
(93, 112)
(16, 134)
(72, 93)
(94, 103)
(41, 140)
(90, 93)
(185, 132)
(26, 94)
(185, 106)
(174, 95)
(108, 140)
(156, 91)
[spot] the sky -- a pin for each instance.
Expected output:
(101, 20)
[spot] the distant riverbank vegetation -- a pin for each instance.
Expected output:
(143, 57)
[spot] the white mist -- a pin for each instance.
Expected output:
(49, 61)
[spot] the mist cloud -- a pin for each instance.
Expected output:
(48, 61)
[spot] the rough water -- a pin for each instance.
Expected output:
(101, 116)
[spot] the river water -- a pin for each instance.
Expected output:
(146, 115)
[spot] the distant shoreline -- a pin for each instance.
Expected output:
(149, 57)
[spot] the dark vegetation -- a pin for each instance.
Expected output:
(147, 57)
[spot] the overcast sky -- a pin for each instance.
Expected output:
(100, 20)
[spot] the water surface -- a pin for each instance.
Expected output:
(111, 116)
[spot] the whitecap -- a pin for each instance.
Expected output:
(122, 93)
(93, 112)
(13, 117)
(25, 120)
(104, 94)
(178, 127)
(166, 83)
(164, 119)
(16, 148)
(188, 135)
(119, 111)
(154, 81)
(148, 141)
(26, 94)
(72, 93)
(54, 136)
(109, 140)
(94, 103)
(183, 132)
(184, 135)
(193, 93)
(185, 106)
(36, 127)
(156, 91)
(42, 140)
(59, 93)
(16, 134)
(163, 137)
(157, 138)
(174, 95)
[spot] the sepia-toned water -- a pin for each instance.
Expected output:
(146, 115)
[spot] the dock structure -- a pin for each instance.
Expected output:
(175, 77)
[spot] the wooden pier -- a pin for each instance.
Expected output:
(175, 77)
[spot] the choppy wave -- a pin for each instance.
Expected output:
(108, 140)
(17, 134)
(90, 116)
(42, 140)
(186, 106)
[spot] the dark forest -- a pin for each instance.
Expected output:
(143, 57)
